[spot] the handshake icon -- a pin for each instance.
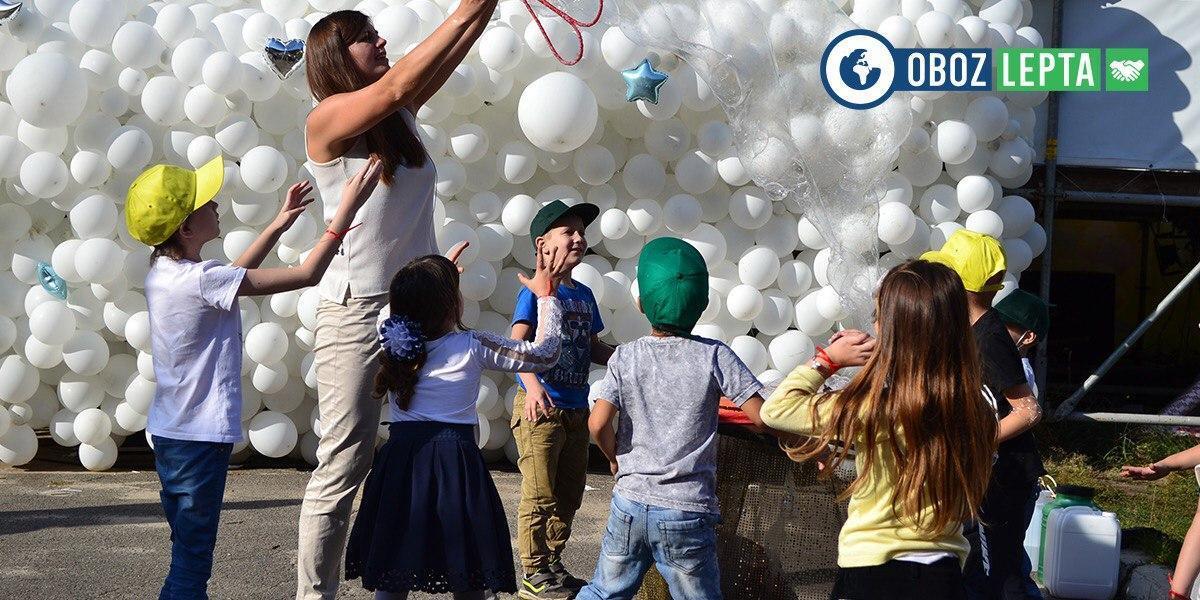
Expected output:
(1126, 70)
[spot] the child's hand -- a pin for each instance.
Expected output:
(537, 401)
(550, 267)
(851, 348)
(293, 205)
(456, 252)
(612, 466)
(1146, 473)
(360, 187)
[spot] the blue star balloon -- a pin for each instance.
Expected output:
(51, 282)
(643, 82)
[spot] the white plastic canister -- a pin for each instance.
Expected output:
(1083, 553)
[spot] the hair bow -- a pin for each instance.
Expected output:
(401, 338)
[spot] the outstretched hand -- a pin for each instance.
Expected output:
(551, 266)
(1146, 473)
(294, 205)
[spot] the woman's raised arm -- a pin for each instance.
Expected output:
(344, 116)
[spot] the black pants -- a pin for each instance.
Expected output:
(901, 580)
(997, 567)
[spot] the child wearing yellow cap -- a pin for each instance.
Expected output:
(998, 566)
(196, 340)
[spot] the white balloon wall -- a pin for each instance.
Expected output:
(95, 90)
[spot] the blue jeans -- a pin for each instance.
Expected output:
(193, 484)
(682, 544)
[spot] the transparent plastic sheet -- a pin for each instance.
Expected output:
(761, 60)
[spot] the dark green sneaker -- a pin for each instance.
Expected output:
(543, 585)
(566, 579)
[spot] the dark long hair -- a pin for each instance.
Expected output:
(426, 291)
(330, 71)
(917, 401)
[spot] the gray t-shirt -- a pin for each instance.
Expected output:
(667, 390)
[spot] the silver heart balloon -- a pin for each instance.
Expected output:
(8, 10)
(283, 56)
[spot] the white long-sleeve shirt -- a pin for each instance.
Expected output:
(449, 382)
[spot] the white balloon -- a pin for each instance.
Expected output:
(92, 426)
(644, 176)
(986, 222)
(99, 260)
(272, 434)
(18, 446)
(744, 302)
(749, 207)
(897, 222)
(100, 457)
(88, 168)
(266, 343)
(500, 48)
(557, 112)
(47, 90)
(264, 169)
(645, 216)
(129, 149)
(1017, 214)
(940, 202)
(269, 378)
(954, 141)
(93, 217)
(758, 267)
(81, 392)
(789, 350)
(52, 323)
(594, 164)
(44, 175)
(976, 193)
(163, 98)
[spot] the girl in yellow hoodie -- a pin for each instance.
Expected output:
(921, 433)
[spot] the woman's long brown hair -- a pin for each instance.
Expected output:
(919, 397)
(425, 290)
(330, 71)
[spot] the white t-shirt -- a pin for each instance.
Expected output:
(448, 385)
(196, 338)
(1029, 376)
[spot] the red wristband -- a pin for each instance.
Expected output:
(337, 235)
(823, 356)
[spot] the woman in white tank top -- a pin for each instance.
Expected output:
(365, 107)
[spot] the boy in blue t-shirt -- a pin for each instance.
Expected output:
(550, 412)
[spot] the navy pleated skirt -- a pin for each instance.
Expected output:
(431, 519)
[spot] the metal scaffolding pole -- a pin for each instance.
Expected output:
(1049, 190)
(1069, 404)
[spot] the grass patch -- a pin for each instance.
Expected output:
(1091, 454)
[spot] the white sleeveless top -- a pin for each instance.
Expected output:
(396, 223)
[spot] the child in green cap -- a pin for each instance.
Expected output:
(664, 389)
(550, 411)
(1027, 319)
(196, 340)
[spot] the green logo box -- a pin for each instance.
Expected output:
(1127, 69)
(1048, 69)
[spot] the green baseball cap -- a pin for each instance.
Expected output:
(1027, 310)
(545, 218)
(673, 284)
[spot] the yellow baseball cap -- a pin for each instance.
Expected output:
(164, 195)
(974, 256)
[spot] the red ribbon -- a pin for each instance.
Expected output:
(572, 21)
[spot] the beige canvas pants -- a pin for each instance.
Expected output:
(347, 353)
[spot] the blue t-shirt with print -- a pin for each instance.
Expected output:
(567, 382)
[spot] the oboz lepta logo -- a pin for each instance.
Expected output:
(861, 69)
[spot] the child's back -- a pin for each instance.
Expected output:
(196, 337)
(666, 390)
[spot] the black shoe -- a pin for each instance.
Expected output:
(543, 585)
(566, 579)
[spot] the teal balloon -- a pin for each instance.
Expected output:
(643, 82)
(51, 282)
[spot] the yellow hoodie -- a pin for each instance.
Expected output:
(873, 533)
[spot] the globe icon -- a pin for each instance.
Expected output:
(856, 72)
